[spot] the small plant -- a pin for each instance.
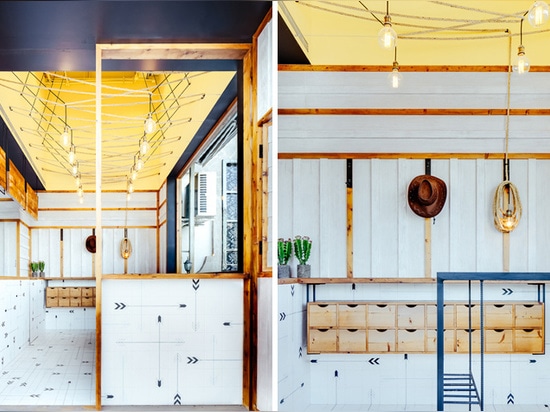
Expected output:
(302, 248)
(34, 266)
(284, 250)
(41, 265)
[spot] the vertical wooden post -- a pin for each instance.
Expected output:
(349, 217)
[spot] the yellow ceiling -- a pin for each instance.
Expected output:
(464, 32)
(37, 106)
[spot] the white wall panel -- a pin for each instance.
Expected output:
(285, 198)
(542, 217)
(332, 219)
(362, 219)
(266, 314)
(265, 70)
(8, 248)
(519, 238)
(440, 225)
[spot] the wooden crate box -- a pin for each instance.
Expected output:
(322, 315)
(52, 301)
(75, 301)
(51, 292)
(448, 316)
(410, 316)
(529, 316)
(352, 316)
(381, 340)
(64, 292)
(462, 314)
(498, 341)
(322, 340)
(87, 292)
(352, 340)
(449, 337)
(75, 292)
(410, 340)
(380, 316)
(64, 301)
(529, 341)
(88, 302)
(499, 316)
(462, 341)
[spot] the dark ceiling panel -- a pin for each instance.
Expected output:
(289, 51)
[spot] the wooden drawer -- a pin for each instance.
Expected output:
(462, 316)
(52, 301)
(75, 301)
(448, 316)
(410, 316)
(529, 341)
(87, 292)
(322, 340)
(74, 292)
(381, 340)
(462, 341)
(88, 301)
(431, 340)
(352, 340)
(352, 316)
(529, 316)
(499, 316)
(498, 340)
(51, 292)
(381, 316)
(410, 340)
(64, 301)
(63, 292)
(321, 315)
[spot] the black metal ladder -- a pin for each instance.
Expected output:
(460, 388)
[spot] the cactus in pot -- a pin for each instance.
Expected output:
(302, 251)
(284, 251)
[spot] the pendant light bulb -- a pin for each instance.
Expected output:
(150, 125)
(80, 191)
(139, 163)
(144, 145)
(133, 173)
(74, 168)
(130, 187)
(522, 64)
(538, 14)
(66, 137)
(395, 77)
(78, 180)
(387, 37)
(81, 199)
(72, 154)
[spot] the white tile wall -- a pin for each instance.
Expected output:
(172, 341)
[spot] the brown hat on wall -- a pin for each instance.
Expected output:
(427, 195)
(90, 243)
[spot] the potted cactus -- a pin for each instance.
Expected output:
(284, 251)
(302, 250)
(41, 267)
(34, 269)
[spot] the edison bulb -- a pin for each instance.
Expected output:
(66, 137)
(538, 14)
(150, 125)
(395, 78)
(522, 64)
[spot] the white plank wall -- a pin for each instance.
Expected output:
(388, 238)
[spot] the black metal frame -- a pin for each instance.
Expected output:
(529, 277)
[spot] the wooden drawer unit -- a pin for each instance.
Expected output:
(88, 302)
(322, 340)
(64, 292)
(51, 292)
(410, 340)
(499, 316)
(352, 316)
(431, 340)
(498, 340)
(411, 316)
(352, 340)
(75, 301)
(381, 340)
(462, 340)
(380, 316)
(87, 292)
(462, 315)
(75, 292)
(529, 315)
(64, 301)
(448, 316)
(52, 301)
(321, 315)
(529, 341)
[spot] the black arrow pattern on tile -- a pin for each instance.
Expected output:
(507, 291)
(48, 389)
(177, 399)
(291, 393)
(191, 360)
(196, 284)
(110, 396)
(300, 352)
(119, 306)
(510, 399)
(282, 316)
(374, 361)
(159, 321)
(292, 290)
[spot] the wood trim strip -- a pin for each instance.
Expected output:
(266, 118)
(174, 51)
(411, 112)
(321, 281)
(486, 156)
(349, 232)
(410, 68)
(91, 209)
(220, 275)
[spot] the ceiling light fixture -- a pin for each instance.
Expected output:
(387, 37)
(66, 136)
(538, 14)
(78, 180)
(150, 125)
(72, 154)
(144, 145)
(395, 77)
(522, 64)
(74, 168)
(138, 162)
(133, 173)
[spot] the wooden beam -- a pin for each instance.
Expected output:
(410, 68)
(161, 51)
(349, 232)
(411, 112)
(486, 156)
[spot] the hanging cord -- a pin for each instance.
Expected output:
(513, 205)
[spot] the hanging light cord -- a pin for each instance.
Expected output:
(514, 203)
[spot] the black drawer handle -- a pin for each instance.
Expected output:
(499, 306)
(322, 305)
(352, 330)
(528, 330)
(411, 306)
(322, 330)
(499, 330)
(352, 306)
(528, 306)
(381, 306)
(381, 330)
(410, 330)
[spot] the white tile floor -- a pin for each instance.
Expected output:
(423, 408)
(58, 368)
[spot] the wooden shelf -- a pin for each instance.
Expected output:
(177, 276)
(322, 281)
